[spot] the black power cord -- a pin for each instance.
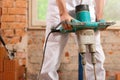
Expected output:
(54, 29)
(43, 55)
(11, 53)
(2, 41)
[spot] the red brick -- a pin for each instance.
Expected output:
(4, 11)
(9, 32)
(6, 25)
(8, 18)
(19, 32)
(30, 42)
(0, 3)
(14, 40)
(10, 76)
(7, 3)
(21, 72)
(0, 11)
(1, 62)
(1, 75)
(5, 40)
(1, 65)
(21, 18)
(15, 25)
(17, 11)
(21, 3)
(67, 54)
(3, 54)
(118, 76)
(19, 25)
(10, 65)
(20, 0)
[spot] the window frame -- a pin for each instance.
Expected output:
(34, 23)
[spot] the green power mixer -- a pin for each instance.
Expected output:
(85, 31)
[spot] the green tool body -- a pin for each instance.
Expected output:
(84, 29)
(83, 21)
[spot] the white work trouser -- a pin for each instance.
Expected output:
(54, 49)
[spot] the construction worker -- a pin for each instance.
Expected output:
(60, 10)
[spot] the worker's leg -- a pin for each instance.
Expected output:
(100, 72)
(55, 46)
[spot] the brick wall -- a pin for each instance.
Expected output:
(69, 67)
(13, 26)
(13, 29)
(35, 44)
(111, 46)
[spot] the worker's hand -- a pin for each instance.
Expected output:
(67, 18)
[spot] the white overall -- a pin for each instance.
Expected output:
(57, 41)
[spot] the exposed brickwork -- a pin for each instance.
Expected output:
(7, 3)
(21, 4)
(13, 24)
(8, 18)
(10, 69)
(14, 19)
(69, 65)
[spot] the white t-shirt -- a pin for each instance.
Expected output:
(53, 17)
